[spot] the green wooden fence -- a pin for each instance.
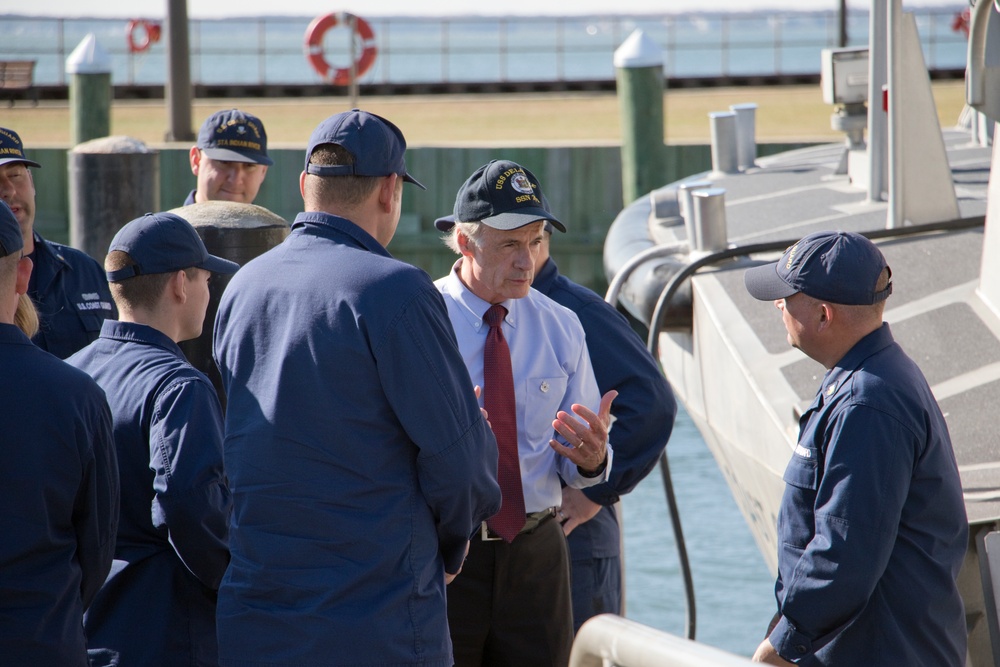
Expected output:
(582, 183)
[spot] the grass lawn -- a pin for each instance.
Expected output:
(787, 113)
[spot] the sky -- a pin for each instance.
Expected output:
(199, 9)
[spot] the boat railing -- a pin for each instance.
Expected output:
(608, 640)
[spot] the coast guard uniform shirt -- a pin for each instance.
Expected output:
(872, 528)
(173, 537)
(552, 371)
(643, 412)
(70, 291)
(58, 503)
(359, 461)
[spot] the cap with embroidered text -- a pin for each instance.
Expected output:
(503, 195)
(11, 240)
(234, 136)
(839, 267)
(446, 222)
(12, 150)
(376, 145)
(163, 243)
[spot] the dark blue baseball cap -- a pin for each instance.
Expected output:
(163, 243)
(446, 222)
(376, 145)
(12, 150)
(234, 136)
(503, 195)
(11, 240)
(839, 267)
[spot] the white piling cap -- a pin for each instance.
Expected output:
(638, 50)
(89, 57)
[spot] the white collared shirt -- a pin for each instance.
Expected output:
(552, 371)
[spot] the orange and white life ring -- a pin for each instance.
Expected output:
(314, 47)
(150, 34)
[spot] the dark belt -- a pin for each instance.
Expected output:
(531, 524)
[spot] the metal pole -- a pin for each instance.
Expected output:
(878, 126)
(503, 50)
(351, 21)
(725, 153)
(444, 50)
(746, 134)
(895, 150)
(724, 38)
(560, 49)
(842, 38)
(178, 89)
(261, 52)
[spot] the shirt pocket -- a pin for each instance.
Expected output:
(803, 470)
(796, 525)
(543, 396)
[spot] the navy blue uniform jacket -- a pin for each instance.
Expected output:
(70, 290)
(872, 528)
(173, 537)
(644, 410)
(357, 456)
(58, 503)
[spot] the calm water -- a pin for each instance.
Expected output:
(734, 592)
(413, 50)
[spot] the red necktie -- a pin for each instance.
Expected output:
(498, 399)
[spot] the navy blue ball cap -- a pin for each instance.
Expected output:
(503, 195)
(839, 267)
(12, 150)
(163, 243)
(11, 240)
(446, 222)
(234, 136)
(376, 145)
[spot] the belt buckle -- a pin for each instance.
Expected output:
(484, 534)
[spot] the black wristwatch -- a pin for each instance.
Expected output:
(600, 469)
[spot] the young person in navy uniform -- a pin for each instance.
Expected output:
(67, 285)
(230, 159)
(158, 605)
(58, 483)
(358, 458)
(511, 605)
(872, 529)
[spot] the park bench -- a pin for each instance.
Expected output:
(17, 75)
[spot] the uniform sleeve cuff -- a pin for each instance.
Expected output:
(790, 644)
(602, 494)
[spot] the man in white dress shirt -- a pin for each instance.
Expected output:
(511, 604)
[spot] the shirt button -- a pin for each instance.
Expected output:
(801, 649)
(544, 387)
